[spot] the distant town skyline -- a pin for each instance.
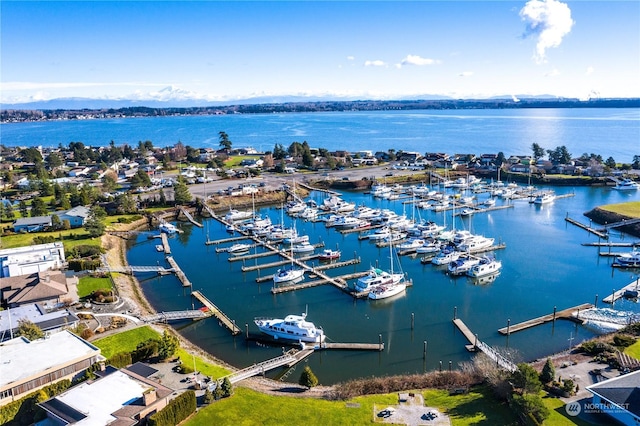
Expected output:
(220, 51)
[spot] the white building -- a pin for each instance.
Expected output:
(30, 259)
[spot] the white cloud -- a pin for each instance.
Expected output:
(590, 70)
(376, 63)
(553, 73)
(465, 74)
(351, 58)
(417, 60)
(549, 21)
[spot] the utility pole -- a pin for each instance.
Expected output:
(570, 341)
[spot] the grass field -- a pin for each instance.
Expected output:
(559, 416)
(633, 350)
(630, 209)
(126, 341)
(88, 285)
(248, 407)
(70, 238)
(207, 369)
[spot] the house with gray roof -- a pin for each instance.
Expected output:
(618, 397)
(32, 224)
(49, 288)
(48, 321)
(76, 216)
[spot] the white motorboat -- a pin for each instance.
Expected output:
(462, 265)
(239, 248)
(487, 266)
(289, 274)
(489, 202)
(544, 198)
(476, 243)
(445, 257)
(235, 215)
(303, 247)
(627, 185)
(411, 244)
(292, 327)
(628, 260)
(377, 277)
(168, 228)
(467, 211)
(296, 239)
(429, 247)
(159, 247)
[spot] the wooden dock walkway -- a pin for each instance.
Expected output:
(226, 240)
(476, 344)
(353, 346)
(216, 312)
(609, 244)
(632, 286)
(179, 274)
(594, 231)
(288, 359)
(308, 284)
(189, 217)
(165, 243)
(563, 314)
(251, 256)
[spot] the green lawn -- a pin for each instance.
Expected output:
(88, 285)
(633, 350)
(630, 209)
(70, 238)
(559, 416)
(248, 407)
(126, 341)
(207, 369)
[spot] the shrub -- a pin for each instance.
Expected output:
(121, 359)
(568, 386)
(548, 372)
(307, 378)
(623, 340)
(595, 347)
(531, 405)
(176, 411)
(24, 410)
(184, 369)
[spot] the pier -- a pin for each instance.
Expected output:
(164, 317)
(594, 231)
(216, 312)
(353, 346)
(189, 217)
(339, 282)
(476, 344)
(179, 274)
(130, 270)
(633, 286)
(563, 314)
(289, 359)
(165, 243)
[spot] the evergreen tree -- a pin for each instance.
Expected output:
(23, 208)
(226, 387)
(538, 151)
(225, 143)
(38, 207)
(163, 198)
(526, 378)
(307, 378)
(181, 194)
(548, 372)
(29, 330)
(169, 344)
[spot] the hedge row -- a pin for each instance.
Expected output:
(176, 411)
(24, 410)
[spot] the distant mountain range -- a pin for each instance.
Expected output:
(176, 98)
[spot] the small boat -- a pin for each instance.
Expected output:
(387, 290)
(288, 275)
(292, 327)
(303, 247)
(376, 277)
(429, 247)
(239, 248)
(462, 265)
(544, 198)
(159, 247)
(487, 266)
(627, 185)
(445, 257)
(168, 228)
(328, 254)
(411, 244)
(296, 239)
(489, 202)
(234, 215)
(476, 243)
(379, 234)
(467, 212)
(628, 260)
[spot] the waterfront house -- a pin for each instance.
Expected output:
(31, 365)
(29, 259)
(48, 321)
(618, 397)
(49, 288)
(119, 397)
(32, 224)
(76, 216)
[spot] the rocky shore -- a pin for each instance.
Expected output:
(602, 217)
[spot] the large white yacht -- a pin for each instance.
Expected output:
(292, 327)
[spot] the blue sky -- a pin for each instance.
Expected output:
(384, 50)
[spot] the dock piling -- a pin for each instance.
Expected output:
(413, 321)
(380, 341)
(508, 326)
(424, 350)
(455, 312)
(441, 366)
(554, 314)
(450, 363)
(595, 303)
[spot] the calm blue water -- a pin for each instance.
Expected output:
(545, 265)
(608, 132)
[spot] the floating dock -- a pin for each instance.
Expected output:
(633, 286)
(216, 312)
(179, 274)
(353, 346)
(475, 344)
(594, 231)
(165, 243)
(563, 314)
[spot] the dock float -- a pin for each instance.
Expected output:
(563, 314)
(608, 244)
(339, 282)
(594, 231)
(216, 312)
(179, 274)
(632, 286)
(165, 243)
(475, 344)
(226, 240)
(353, 346)
(466, 332)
